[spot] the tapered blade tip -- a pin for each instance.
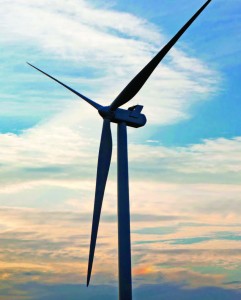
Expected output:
(29, 64)
(88, 281)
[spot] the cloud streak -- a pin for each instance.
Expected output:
(52, 248)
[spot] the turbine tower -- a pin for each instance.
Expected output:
(131, 117)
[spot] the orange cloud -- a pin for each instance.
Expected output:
(143, 270)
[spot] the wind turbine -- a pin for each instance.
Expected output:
(131, 117)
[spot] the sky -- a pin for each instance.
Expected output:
(184, 165)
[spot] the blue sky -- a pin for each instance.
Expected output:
(185, 164)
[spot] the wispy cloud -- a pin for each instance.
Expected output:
(110, 47)
(63, 149)
(52, 248)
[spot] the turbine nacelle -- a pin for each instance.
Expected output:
(131, 116)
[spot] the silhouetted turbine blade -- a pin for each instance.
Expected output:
(104, 159)
(91, 102)
(139, 80)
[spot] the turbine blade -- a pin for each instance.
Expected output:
(104, 160)
(91, 102)
(139, 80)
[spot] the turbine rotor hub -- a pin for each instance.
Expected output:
(106, 112)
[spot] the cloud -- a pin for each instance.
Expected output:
(65, 149)
(212, 156)
(103, 49)
(52, 247)
(61, 166)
